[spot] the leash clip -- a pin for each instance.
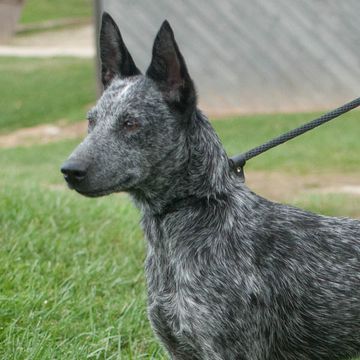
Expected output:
(240, 172)
(238, 167)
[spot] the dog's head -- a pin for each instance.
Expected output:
(139, 119)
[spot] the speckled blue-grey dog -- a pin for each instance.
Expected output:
(230, 275)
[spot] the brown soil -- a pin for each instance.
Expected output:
(281, 186)
(43, 134)
(79, 37)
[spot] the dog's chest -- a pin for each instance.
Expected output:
(171, 310)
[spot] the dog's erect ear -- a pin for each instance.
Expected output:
(115, 58)
(168, 70)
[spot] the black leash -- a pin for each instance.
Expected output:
(238, 162)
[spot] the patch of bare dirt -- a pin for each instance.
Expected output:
(43, 134)
(76, 41)
(281, 186)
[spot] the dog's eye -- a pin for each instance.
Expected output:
(131, 124)
(91, 121)
(91, 124)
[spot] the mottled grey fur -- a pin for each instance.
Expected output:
(230, 275)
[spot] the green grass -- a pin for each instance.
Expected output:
(330, 204)
(40, 10)
(35, 91)
(334, 146)
(72, 284)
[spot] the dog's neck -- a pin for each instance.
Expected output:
(203, 172)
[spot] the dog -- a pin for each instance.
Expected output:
(230, 275)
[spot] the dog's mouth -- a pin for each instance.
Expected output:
(122, 186)
(96, 193)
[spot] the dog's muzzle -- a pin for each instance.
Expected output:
(74, 172)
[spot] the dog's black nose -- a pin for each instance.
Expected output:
(74, 171)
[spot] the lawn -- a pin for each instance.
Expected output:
(72, 283)
(334, 146)
(71, 270)
(40, 10)
(35, 91)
